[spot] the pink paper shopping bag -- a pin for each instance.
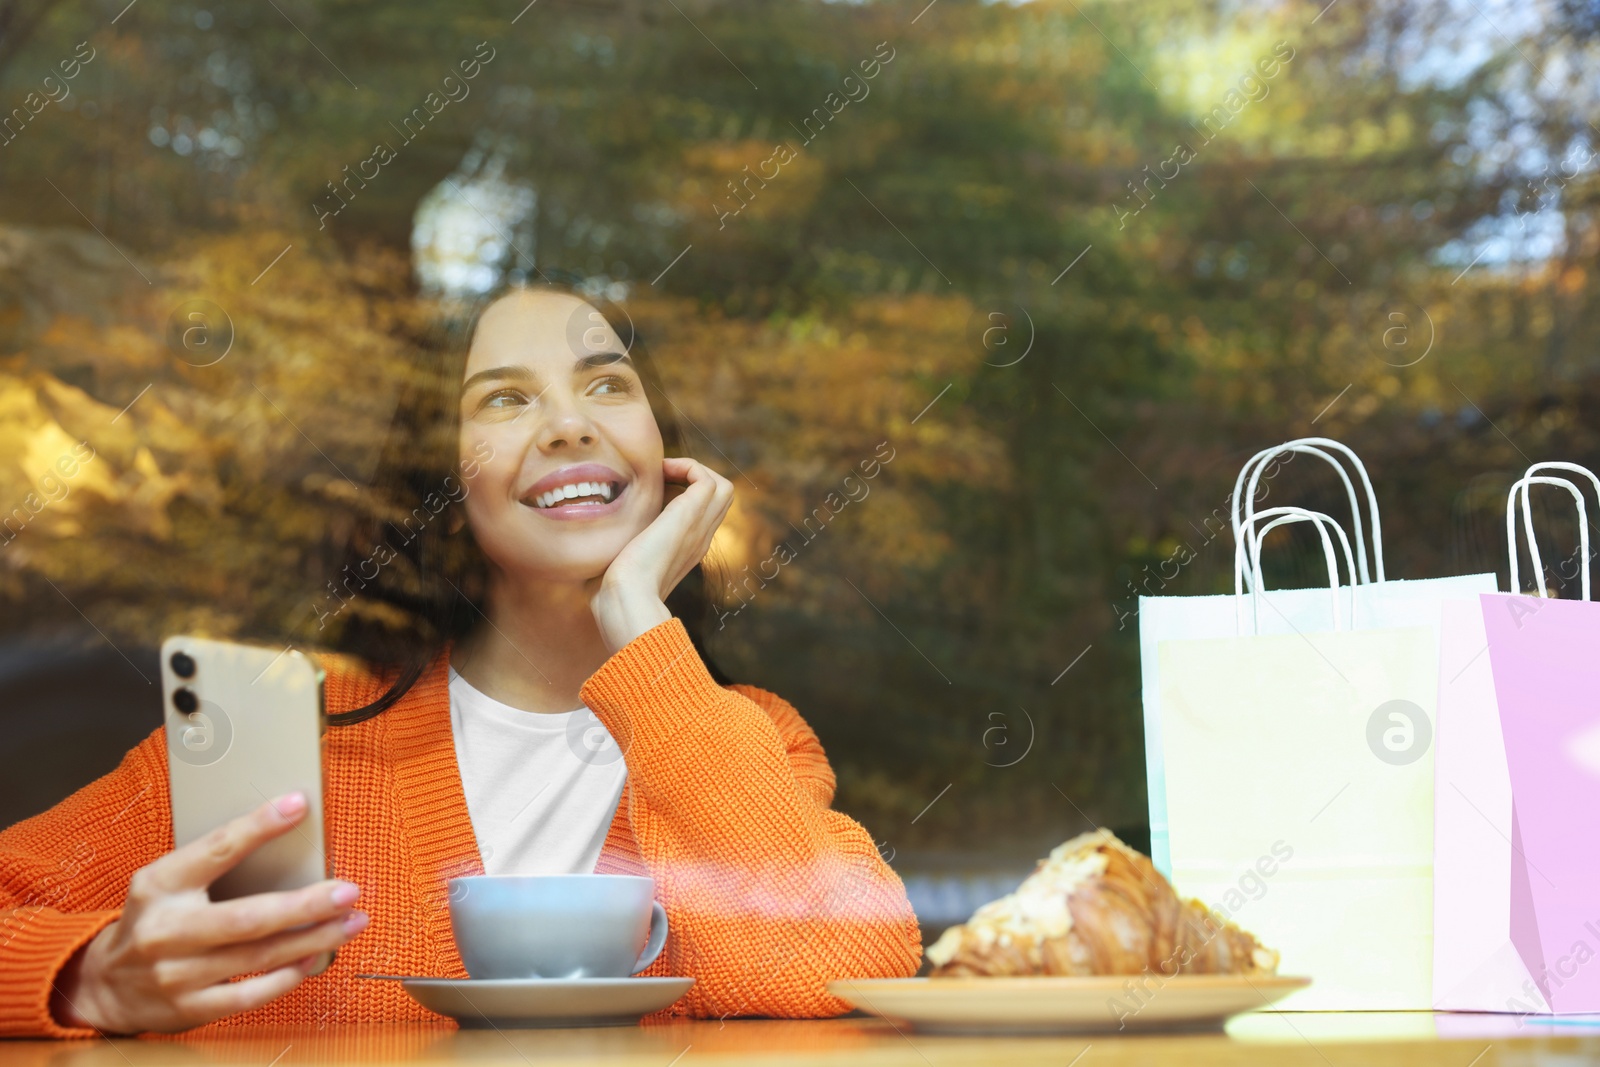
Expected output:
(1477, 920)
(1545, 656)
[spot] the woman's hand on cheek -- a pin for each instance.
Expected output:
(632, 595)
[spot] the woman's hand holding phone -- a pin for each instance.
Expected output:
(166, 963)
(632, 595)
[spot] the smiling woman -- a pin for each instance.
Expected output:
(523, 692)
(471, 397)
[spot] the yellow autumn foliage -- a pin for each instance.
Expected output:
(217, 491)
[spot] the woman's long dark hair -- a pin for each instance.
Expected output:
(430, 584)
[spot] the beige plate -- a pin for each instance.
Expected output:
(546, 1001)
(1062, 1005)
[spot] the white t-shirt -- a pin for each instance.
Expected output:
(541, 789)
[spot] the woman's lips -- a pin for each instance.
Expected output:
(593, 480)
(571, 511)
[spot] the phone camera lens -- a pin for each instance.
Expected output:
(183, 665)
(185, 701)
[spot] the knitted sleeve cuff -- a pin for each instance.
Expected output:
(657, 679)
(35, 944)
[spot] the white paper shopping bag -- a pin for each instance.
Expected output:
(1309, 754)
(1378, 602)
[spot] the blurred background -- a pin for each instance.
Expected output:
(1068, 264)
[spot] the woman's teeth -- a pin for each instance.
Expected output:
(603, 491)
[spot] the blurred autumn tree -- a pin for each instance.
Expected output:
(980, 254)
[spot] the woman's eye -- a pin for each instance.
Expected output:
(505, 398)
(610, 386)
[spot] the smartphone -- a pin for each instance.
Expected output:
(244, 725)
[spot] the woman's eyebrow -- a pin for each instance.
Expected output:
(521, 374)
(600, 359)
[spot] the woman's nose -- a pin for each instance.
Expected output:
(564, 425)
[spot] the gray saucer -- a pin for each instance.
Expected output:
(546, 1002)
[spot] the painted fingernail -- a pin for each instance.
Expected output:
(355, 922)
(290, 804)
(345, 893)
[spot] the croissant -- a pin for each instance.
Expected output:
(1096, 907)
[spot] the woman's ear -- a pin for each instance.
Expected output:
(455, 521)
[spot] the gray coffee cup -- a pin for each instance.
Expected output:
(557, 925)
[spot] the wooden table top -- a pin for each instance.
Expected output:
(1376, 1039)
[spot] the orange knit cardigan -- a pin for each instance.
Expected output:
(770, 894)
